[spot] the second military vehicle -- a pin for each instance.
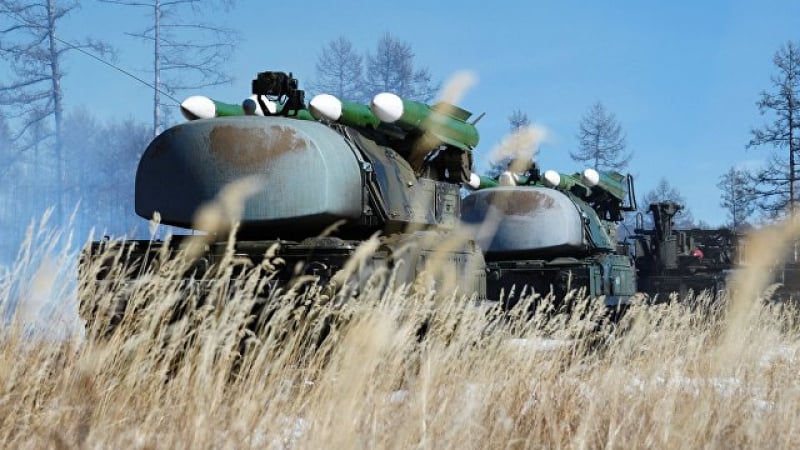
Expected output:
(555, 233)
(681, 261)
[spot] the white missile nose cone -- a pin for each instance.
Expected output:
(506, 179)
(387, 107)
(552, 178)
(198, 107)
(325, 107)
(271, 106)
(474, 181)
(590, 177)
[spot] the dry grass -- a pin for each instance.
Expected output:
(664, 378)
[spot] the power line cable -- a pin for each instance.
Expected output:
(113, 66)
(23, 21)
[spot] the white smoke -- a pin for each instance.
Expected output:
(38, 292)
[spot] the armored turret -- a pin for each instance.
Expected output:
(332, 167)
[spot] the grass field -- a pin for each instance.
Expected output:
(682, 375)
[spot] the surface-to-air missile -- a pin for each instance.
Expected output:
(330, 108)
(416, 130)
(201, 107)
(446, 122)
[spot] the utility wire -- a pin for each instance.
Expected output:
(103, 61)
(113, 66)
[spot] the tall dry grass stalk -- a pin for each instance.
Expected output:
(475, 379)
(384, 366)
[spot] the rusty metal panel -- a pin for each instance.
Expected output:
(408, 200)
(525, 220)
(311, 176)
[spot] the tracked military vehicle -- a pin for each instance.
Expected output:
(554, 233)
(681, 261)
(331, 174)
(328, 180)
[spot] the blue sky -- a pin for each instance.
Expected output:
(682, 77)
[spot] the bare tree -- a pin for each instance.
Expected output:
(776, 184)
(102, 183)
(117, 152)
(340, 71)
(601, 140)
(516, 121)
(737, 196)
(30, 44)
(391, 69)
(7, 151)
(8, 213)
(186, 54)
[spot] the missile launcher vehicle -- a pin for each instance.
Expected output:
(325, 185)
(332, 174)
(554, 233)
(681, 261)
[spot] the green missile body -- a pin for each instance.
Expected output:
(572, 183)
(600, 187)
(328, 107)
(201, 107)
(481, 182)
(358, 115)
(446, 122)
(227, 109)
(486, 182)
(611, 183)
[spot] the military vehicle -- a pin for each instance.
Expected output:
(328, 182)
(334, 173)
(554, 233)
(680, 261)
